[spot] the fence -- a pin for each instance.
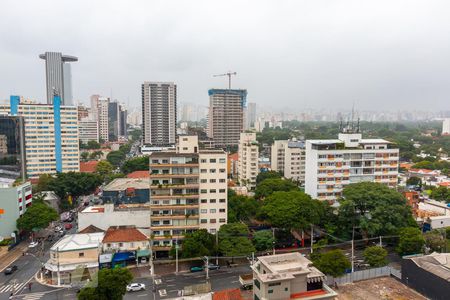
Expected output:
(363, 275)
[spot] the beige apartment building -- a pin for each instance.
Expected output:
(188, 191)
(288, 158)
(43, 154)
(248, 160)
(289, 276)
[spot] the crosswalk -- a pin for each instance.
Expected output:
(34, 296)
(12, 287)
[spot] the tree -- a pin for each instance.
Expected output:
(93, 145)
(43, 183)
(96, 155)
(36, 217)
(441, 194)
(199, 243)
(374, 208)
(135, 134)
(268, 186)
(411, 241)
(292, 210)
(266, 175)
(375, 256)
(263, 240)
(84, 156)
(332, 263)
(136, 164)
(414, 181)
(104, 169)
(241, 208)
(234, 241)
(434, 241)
(115, 157)
(110, 284)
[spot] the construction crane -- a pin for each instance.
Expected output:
(229, 74)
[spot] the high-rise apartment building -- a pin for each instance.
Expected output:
(188, 191)
(250, 116)
(113, 121)
(332, 164)
(88, 130)
(123, 122)
(100, 112)
(58, 76)
(446, 126)
(248, 160)
(288, 158)
(51, 135)
(226, 116)
(159, 113)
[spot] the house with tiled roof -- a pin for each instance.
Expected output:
(88, 166)
(139, 174)
(124, 238)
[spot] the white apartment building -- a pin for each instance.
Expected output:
(159, 113)
(289, 276)
(248, 160)
(288, 158)
(446, 126)
(332, 164)
(103, 118)
(188, 191)
(88, 130)
(48, 150)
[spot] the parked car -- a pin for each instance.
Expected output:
(11, 269)
(68, 226)
(134, 287)
(196, 269)
(33, 244)
(213, 267)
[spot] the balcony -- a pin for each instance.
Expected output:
(173, 217)
(171, 175)
(178, 196)
(168, 227)
(161, 165)
(174, 186)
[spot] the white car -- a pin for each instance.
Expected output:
(134, 287)
(33, 244)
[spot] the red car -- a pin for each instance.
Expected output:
(68, 226)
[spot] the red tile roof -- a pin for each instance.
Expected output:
(91, 229)
(308, 294)
(123, 234)
(139, 174)
(232, 294)
(88, 167)
(234, 156)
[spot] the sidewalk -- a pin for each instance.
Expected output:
(10, 256)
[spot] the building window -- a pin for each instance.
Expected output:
(204, 201)
(222, 200)
(203, 221)
(203, 160)
(204, 211)
(222, 160)
(212, 170)
(120, 244)
(212, 201)
(81, 254)
(270, 291)
(212, 211)
(212, 160)
(222, 191)
(212, 221)
(275, 284)
(286, 289)
(203, 171)
(203, 191)
(222, 170)
(221, 220)
(212, 190)
(212, 181)
(222, 210)
(221, 180)
(203, 180)
(256, 283)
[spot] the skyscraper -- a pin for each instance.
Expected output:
(58, 76)
(226, 116)
(159, 113)
(250, 116)
(114, 121)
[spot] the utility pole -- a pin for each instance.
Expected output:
(273, 242)
(217, 248)
(207, 269)
(381, 243)
(176, 256)
(353, 249)
(312, 237)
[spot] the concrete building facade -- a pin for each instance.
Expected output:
(51, 136)
(226, 116)
(14, 201)
(288, 158)
(188, 191)
(332, 164)
(58, 76)
(446, 126)
(159, 113)
(88, 130)
(248, 160)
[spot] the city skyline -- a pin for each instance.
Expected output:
(309, 62)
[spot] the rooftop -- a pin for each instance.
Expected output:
(91, 229)
(121, 184)
(123, 234)
(88, 166)
(436, 263)
(139, 174)
(78, 241)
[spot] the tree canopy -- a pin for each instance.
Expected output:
(197, 244)
(332, 263)
(234, 240)
(374, 208)
(110, 284)
(411, 241)
(116, 157)
(263, 240)
(434, 241)
(271, 185)
(441, 194)
(266, 175)
(37, 216)
(136, 164)
(292, 210)
(241, 208)
(375, 256)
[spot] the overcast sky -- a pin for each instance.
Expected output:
(298, 54)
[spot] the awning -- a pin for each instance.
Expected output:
(144, 252)
(123, 256)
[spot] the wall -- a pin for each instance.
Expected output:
(72, 257)
(139, 218)
(10, 203)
